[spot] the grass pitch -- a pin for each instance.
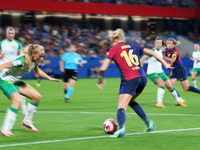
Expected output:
(77, 125)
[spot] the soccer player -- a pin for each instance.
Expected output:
(133, 77)
(9, 50)
(157, 76)
(12, 86)
(196, 65)
(179, 72)
(69, 67)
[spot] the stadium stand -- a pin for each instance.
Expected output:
(163, 3)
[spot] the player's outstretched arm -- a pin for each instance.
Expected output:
(44, 75)
(6, 65)
(150, 52)
(143, 59)
(103, 68)
(61, 63)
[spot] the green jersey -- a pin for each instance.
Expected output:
(15, 73)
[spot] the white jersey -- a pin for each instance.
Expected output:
(154, 66)
(196, 55)
(15, 73)
(10, 49)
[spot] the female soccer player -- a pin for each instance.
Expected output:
(12, 86)
(9, 50)
(179, 72)
(69, 65)
(196, 65)
(133, 77)
(157, 76)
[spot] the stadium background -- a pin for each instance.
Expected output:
(54, 24)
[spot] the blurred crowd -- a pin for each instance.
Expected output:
(89, 42)
(169, 3)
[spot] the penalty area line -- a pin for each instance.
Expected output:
(95, 137)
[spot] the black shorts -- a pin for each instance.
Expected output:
(69, 74)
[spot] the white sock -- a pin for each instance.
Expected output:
(160, 95)
(30, 112)
(175, 95)
(23, 105)
(194, 83)
(9, 119)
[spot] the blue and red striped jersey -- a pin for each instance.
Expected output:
(126, 56)
(178, 61)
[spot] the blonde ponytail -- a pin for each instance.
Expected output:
(117, 34)
(28, 50)
(174, 41)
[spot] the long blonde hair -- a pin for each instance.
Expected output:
(174, 41)
(28, 50)
(117, 34)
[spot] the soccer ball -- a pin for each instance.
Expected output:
(110, 126)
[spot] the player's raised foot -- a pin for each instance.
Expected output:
(150, 127)
(119, 133)
(37, 84)
(160, 105)
(7, 133)
(181, 104)
(66, 100)
(29, 125)
(181, 99)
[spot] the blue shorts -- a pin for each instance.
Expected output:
(134, 86)
(179, 73)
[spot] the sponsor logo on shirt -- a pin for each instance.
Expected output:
(14, 47)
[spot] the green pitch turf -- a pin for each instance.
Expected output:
(77, 125)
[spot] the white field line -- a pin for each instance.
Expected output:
(95, 137)
(153, 114)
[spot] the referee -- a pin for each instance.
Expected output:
(69, 67)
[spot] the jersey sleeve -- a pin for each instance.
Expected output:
(0, 44)
(20, 45)
(36, 65)
(18, 62)
(141, 50)
(80, 58)
(150, 55)
(63, 57)
(110, 54)
(174, 54)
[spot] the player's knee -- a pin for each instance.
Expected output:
(186, 88)
(170, 88)
(37, 98)
(17, 103)
(161, 84)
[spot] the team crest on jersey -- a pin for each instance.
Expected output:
(10, 82)
(155, 75)
(13, 47)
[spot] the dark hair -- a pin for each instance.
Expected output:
(163, 43)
